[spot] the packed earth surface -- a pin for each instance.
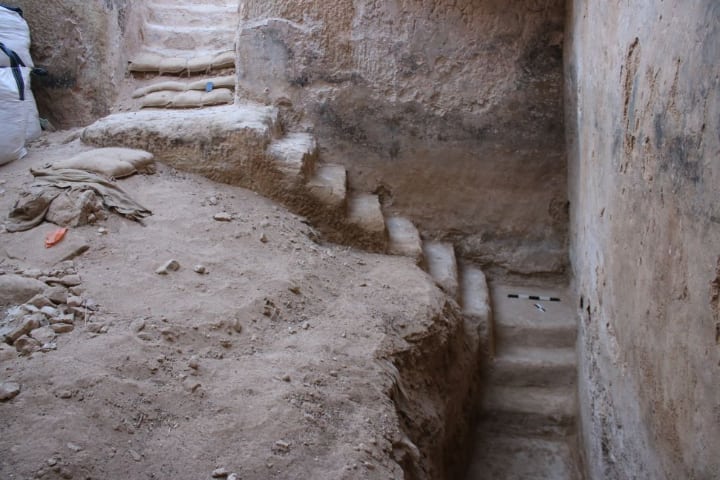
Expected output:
(266, 354)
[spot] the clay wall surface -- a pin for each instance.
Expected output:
(452, 109)
(84, 46)
(642, 83)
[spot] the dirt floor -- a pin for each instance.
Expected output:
(278, 362)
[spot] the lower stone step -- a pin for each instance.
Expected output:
(503, 457)
(403, 238)
(530, 410)
(533, 367)
(225, 144)
(442, 265)
(329, 185)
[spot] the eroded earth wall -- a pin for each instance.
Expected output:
(451, 109)
(643, 122)
(84, 46)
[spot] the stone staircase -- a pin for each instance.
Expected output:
(528, 406)
(185, 111)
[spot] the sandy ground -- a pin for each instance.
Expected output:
(277, 363)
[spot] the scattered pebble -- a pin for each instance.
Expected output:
(137, 325)
(282, 445)
(102, 231)
(27, 345)
(263, 238)
(220, 473)
(8, 391)
(306, 325)
(194, 363)
(223, 217)
(135, 455)
(213, 201)
(50, 311)
(286, 378)
(295, 290)
(200, 269)
(62, 327)
(191, 385)
(74, 447)
(74, 301)
(233, 476)
(167, 267)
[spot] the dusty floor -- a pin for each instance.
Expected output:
(292, 343)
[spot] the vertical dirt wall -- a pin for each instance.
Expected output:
(450, 108)
(83, 45)
(642, 83)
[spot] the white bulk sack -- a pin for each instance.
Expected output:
(13, 115)
(15, 34)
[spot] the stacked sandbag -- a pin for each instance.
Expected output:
(18, 112)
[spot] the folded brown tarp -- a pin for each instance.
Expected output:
(31, 208)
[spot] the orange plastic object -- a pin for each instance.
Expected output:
(55, 237)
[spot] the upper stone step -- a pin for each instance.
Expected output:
(329, 185)
(531, 410)
(222, 143)
(505, 457)
(442, 265)
(403, 238)
(525, 316)
(475, 301)
(192, 15)
(534, 367)
(205, 37)
(294, 155)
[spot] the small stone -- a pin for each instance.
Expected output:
(27, 345)
(52, 461)
(213, 201)
(135, 455)
(137, 325)
(306, 325)
(282, 445)
(200, 269)
(64, 394)
(71, 280)
(74, 447)
(286, 378)
(191, 385)
(263, 238)
(102, 231)
(50, 311)
(95, 327)
(74, 301)
(43, 335)
(167, 267)
(30, 308)
(295, 290)
(223, 217)
(292, 331)
(29, 324)
(39, 301)
(8, 391)
(57, 295)
(237, 325)
(220, 473)
(62, 327)
(233, 476)
(194, 363)
(64, 318)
